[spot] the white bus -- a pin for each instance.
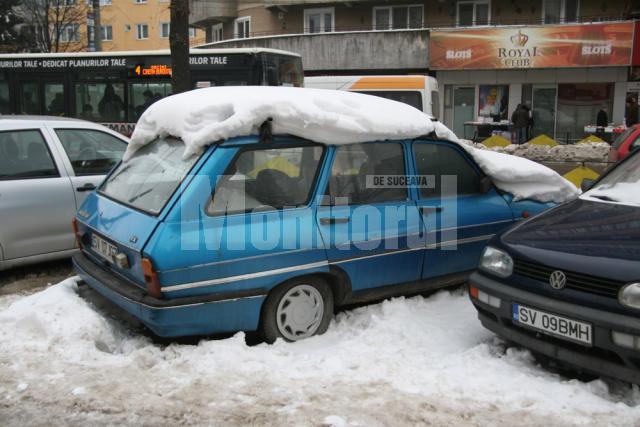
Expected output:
(418, 91)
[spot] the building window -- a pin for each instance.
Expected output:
(164, 30)
(217, 33)
(472, 13)
(192, 32)
(558, 11)
(319, 20)
(397, 17)
(70, 33)
(140, 1)
(69, 2)
(242, 27)
(105, 2)
(142, 31)
(107, 32)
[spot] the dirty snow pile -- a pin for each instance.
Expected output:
(417, 361)
(204, 116)
(584, 152)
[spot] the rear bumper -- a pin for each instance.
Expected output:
(201, 315)
(603, 358)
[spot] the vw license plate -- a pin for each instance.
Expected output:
(559, 326)
(103, 248)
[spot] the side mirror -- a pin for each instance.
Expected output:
(486, 185)
(587, 184)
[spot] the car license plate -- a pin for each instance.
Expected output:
(103, 248)
(552, 324)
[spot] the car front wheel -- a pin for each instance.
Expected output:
(297, 310)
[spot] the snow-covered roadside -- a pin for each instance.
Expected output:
(585, 152)
(401, 362)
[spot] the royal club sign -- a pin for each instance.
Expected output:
(556, 46)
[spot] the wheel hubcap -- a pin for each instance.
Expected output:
(300, 312)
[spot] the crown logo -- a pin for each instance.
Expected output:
(519, 40)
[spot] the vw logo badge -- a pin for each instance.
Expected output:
(557, 279)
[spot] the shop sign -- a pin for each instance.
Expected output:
(551, 46)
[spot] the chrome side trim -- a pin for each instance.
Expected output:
(226, 261)
(241, 277)
(266, 273)
(460, 241)
(399, 251)
(477, 225)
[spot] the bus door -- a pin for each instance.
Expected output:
(42, 95)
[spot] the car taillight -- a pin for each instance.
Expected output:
(150, 278)
(76, 232)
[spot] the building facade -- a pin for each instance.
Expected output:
(565, 83)
(138, 25)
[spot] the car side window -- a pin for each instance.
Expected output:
(360, 171)
(91, 152)
(25, 154)
(266, 179)
(439, 160)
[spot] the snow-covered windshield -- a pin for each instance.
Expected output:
(149, 178)
(622, 185)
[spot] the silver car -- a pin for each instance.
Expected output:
(47, 167)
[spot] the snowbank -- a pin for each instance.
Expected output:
(410, 361)
(587, 152)
(204, 116)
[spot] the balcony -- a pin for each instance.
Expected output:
(282, 4)
(344, 52)
(207, 12)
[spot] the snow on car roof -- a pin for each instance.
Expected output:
(206, 116)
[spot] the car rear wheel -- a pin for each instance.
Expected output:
(297, 310)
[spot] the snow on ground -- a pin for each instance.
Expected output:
(409, 361)
(204, 116)
(587, 152)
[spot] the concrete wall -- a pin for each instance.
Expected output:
(388, 50)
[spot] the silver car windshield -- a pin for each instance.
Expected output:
(622, 185)
(148, 179)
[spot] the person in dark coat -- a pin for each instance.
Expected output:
(602, 119)
(520, 119)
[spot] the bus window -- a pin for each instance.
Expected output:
(411, 97)
(290, 71)
(100, 101)
(5, 107)
(142, 95)
(54, 98)
(435, 103)
(29, 98)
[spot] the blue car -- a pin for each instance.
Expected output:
(273, 233)
(566, 284)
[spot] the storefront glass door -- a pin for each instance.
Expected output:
(544, 110)
(464, 101)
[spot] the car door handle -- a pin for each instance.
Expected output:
(426, 210)
(326, 221)
(87, 187)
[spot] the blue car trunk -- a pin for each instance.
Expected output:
(111, 223)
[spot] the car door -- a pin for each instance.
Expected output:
(36, 199)
(90, 155)
(370, 226)
(459, 216)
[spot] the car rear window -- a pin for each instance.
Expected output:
(150, 177)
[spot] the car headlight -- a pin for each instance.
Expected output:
(496, 261)
(629, 295)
